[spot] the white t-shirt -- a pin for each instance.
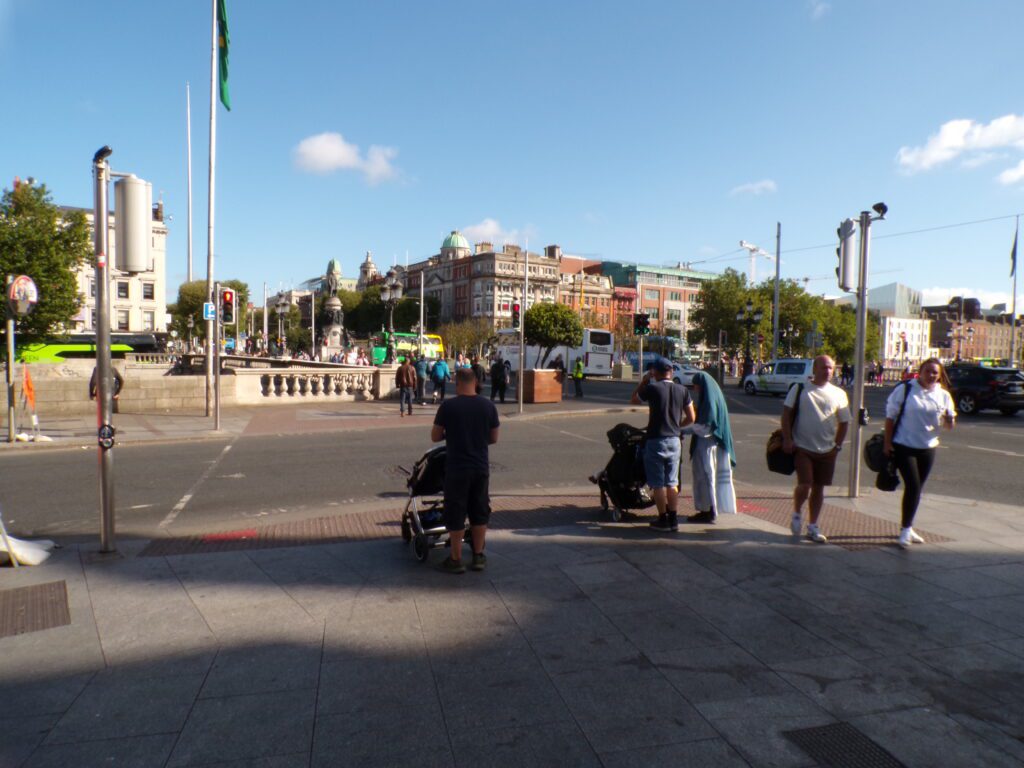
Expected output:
(822, 409)
(919, 427)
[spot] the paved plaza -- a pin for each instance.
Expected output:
(584, 643)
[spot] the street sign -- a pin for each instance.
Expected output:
(209, 311)
(22, 295)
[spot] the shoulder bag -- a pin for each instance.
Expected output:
(778, 460)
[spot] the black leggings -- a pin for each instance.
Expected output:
(914, 465)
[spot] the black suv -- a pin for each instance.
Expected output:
(976, 387)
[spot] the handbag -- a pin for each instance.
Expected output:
(874, 448)
(887, 479)
(778, 460)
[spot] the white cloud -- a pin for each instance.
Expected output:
(980, 159)
(754, 188)
(1012, 175)
(329, 152)
(963, 137)
(490, 231)
(935, 296)
(818, 8)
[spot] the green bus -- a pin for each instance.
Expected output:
(83, 345)
(406, 343)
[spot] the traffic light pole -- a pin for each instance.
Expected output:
(216, 356)
(522, 333)
(859, 415)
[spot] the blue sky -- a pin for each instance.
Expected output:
(651, 131)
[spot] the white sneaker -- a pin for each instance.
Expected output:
(906, 538)
(815, 535)
(796, 524)
(915, 537)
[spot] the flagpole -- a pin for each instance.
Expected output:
(1013, 310)
(188, 137)
(210, 210)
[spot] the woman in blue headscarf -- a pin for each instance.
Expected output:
(712, 455)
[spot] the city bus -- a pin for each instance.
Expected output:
(405, 344)
(597, 350)
(83, 345)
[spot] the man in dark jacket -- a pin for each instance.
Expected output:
(499, 378)
(480, 373)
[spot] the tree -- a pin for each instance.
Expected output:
(40, 240)
(552, 325)
(719, 302)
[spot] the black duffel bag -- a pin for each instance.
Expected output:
(778, 460)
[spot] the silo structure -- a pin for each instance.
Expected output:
(133, 212)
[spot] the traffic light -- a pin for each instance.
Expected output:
(515, 314)
(641, 324)
(227, 305)
(846, 255)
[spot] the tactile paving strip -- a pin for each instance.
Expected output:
(35, 608)
(846, 528)
(840, 745)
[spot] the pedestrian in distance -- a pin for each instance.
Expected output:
(927, 405)
(421, 378)
(823, 417)
(405, 380)
(479, 372)
(118, 386)
(670, 408)
(468, 424)
(577, 377)
(439, 375)
(712, 455)
(499, 378)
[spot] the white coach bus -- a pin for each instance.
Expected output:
(596, 350)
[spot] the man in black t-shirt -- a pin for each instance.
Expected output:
(468, 423)
(670, 408)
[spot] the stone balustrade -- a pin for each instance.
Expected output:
(343, 383)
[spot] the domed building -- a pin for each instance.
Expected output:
(455, 246)
(368, 272)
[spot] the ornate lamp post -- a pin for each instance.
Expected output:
(282, 310)
(748, 318)
(789, 333)
(191, 324)
(391, 294)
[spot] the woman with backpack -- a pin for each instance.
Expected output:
(926, 404)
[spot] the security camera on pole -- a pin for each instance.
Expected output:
(844, 272)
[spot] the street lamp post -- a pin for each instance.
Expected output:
(789, 333)
(191, 324)
(749, 318)
(282, 308)
(391, 294)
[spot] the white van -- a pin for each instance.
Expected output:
(776, 376)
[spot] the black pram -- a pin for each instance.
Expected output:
(423, 518)
(622, 481)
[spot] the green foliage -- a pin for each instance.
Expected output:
(718, 303)
(47, 244)
(552, 325)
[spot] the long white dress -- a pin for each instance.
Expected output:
(712, 475)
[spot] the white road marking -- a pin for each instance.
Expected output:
(1007, 434)
(581, 437)
(995, 450)
(191, 491)
(141, 506)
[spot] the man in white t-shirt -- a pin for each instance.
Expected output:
(817, 438)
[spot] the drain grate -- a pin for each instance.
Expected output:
(840, 745)
(32, 609)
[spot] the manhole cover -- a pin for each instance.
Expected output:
(31, 609)
(840, 745)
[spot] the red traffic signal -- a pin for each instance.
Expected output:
(515, 315)
(227, 305)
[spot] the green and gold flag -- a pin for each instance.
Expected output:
(222, 51)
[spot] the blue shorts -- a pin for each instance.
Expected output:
(661, 462)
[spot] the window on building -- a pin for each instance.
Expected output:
(122, 317)
(652, 312)
(92, 320)
(148, 321)
(673, 314)
(122, 289)
(675, 296)
(92, 289)
(148, 291)
(652, 293)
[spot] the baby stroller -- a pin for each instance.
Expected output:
(423, 517)
(622, 481)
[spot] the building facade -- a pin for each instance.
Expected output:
(665, 294)
(891, 300)
(986, 337)
(483, 282)
(915, 332)
(138, 302)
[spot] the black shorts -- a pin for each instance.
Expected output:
(466, 493)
